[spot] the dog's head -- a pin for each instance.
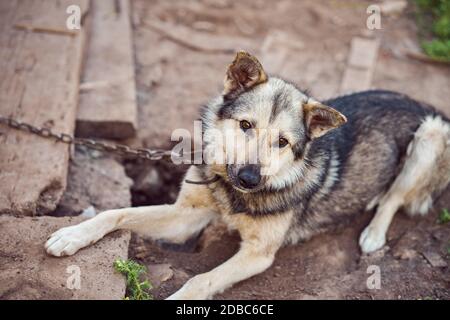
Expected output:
(256, 133)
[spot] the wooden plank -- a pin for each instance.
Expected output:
(275, 48)
(363, 53)
(198, 41)
(108, 107)
(360, 66)
(38, 84)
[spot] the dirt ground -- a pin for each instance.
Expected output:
(28, 273)
(174, 80)
(329, 266)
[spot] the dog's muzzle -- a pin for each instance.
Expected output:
(249, 176)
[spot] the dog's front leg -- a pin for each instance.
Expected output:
(193, 210)
(261, 239)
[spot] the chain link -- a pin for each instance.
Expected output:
(119, 149)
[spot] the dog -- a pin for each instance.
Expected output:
(334, 160)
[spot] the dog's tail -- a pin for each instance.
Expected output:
(426, 171)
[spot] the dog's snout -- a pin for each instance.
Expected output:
(249, 176)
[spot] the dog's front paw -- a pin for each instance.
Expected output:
(372, 239)
(195, 289)
(66, 241)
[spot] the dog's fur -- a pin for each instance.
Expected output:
(391, 152)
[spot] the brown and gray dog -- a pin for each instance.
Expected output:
(334, 160)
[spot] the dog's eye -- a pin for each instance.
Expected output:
(282, 142)
(245, 125)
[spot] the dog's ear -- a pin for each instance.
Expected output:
(242, 74)
(319, 118)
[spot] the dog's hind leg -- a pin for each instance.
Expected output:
(425, 173)
(192, 211)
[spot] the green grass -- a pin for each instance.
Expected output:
(437, 49)
(433, 18)
(136, 289)
(444, 217)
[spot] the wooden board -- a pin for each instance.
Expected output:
(39, 79)
(108, 107)
(360, 66)
(198, 41)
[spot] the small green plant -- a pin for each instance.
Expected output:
(444, 217)
(137, 289)
(433, 18)
(437, 49)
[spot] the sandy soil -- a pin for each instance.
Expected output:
(330, 266)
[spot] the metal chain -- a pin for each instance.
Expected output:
(120, 149)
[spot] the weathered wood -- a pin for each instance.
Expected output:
(275, 48)
(361, 64)
(108, 107)
(39, 82)
(198, 41)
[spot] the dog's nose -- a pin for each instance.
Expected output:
(249, 176)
